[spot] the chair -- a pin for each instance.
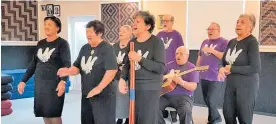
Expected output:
(170, 109)
(173, 109)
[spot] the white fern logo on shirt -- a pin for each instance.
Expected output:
(137, 65)
(120, 57)
(167, 42)
(92, 52)
(210, 46)
(45, 56)
(231, 57)
(88, 65)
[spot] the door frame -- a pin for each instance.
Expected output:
(72, 42)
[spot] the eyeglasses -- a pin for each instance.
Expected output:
(166, 21)
(185, 54)
(208, 29)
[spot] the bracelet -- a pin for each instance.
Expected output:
(63, 81)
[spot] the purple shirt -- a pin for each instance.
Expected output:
(172, 40)
(190, 77)
(220, 45)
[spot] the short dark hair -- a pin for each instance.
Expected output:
(148, 19)
(55, 20)
(97, 25)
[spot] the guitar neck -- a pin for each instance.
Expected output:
(185, 72)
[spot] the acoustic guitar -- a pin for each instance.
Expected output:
(169, 86)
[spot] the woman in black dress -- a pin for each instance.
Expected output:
(96, 63)
(51, 54)
(241, 67)
(149, 57)
(122, 100)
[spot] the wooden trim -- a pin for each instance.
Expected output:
(267, 48)
(18, 43)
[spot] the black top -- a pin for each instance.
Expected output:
(149, 71)
(49, 57)
(244, 56)
(93, 62)
(121, 53)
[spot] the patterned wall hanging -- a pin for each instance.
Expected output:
(114, 16)
(268, 23)
(19, 21)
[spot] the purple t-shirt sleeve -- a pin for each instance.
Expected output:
(200, 52)
(78, 60)
(180, 40)
(169, 67)
(193, 77)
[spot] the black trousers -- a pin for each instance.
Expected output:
(98, 110)
(212, 91)
(146, 106)
(239, 99)
(183, 105)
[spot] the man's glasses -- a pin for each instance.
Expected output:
(210, 29)
(166, 21)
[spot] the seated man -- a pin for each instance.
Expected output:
(181, 98)
(172, 39)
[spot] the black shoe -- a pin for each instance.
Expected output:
(119, 121)
(165, 113)
(127, 121)
(173, 116)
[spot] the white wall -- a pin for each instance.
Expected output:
(67, 9)
(175, 8)
(201, 14)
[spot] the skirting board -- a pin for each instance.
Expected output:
(18, 43)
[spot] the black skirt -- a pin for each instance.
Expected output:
(46, 101)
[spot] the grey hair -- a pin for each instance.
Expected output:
(171, 17)
(216, 25)
(127, 27)
(251, 18)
